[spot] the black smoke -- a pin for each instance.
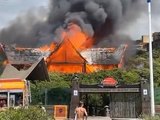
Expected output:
(97, 18)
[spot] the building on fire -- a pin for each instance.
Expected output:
(74, 54)
(64, 58)
(68, 60)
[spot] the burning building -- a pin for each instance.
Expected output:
(68, 60)
(78, 29)
(74, 54)
(104, 58)
(66, 57)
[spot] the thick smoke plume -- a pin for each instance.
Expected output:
(97, 18)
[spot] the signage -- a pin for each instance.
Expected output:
(145, 92)
(75, 92)
(11, 84)
(109, 81)
(60, 112)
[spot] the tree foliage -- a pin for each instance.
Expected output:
(57, 80)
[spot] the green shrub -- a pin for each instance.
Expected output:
(146, 117)
(31, 113)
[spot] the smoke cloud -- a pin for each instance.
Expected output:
(101, 19)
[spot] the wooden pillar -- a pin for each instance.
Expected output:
(84, 68)
(86, 105)
(74, 97)
(145, 97)
(8, 99)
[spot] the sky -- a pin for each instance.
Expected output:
(10, 9)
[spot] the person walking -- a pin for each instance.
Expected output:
(80, 112)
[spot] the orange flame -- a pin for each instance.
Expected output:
(50, 47)
(77, 37)
(5, 62)
(67, 58)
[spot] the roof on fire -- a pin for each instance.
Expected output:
(103, 56)
(37, 71)
(67, 53)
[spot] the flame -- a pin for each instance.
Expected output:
(77, 37)
(5, 62)
(44, 48)
(50, 47)
(67, 58)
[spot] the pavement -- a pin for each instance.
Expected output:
(98, 118)
(108, 118)
(126, 119)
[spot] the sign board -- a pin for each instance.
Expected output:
(109, 81)
(10, 84)
(60, 112)
(75, 92)
(145, 92)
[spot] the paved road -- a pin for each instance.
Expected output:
(107, 118)
(98, 118)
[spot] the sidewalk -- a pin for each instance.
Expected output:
(126, 119)
(108, 118)
(98, 118)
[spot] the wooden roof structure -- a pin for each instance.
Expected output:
(65, 58)
(36, 71)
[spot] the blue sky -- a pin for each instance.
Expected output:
(10, 9)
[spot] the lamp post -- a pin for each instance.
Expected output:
(151, 60)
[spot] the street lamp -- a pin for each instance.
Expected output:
(151, 60)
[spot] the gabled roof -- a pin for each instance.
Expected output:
(102, 56)
(22, 55)
(37, 71)
(65, 53)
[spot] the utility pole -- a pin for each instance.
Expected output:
(151, 60)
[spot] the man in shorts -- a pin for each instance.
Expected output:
(80, 112)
